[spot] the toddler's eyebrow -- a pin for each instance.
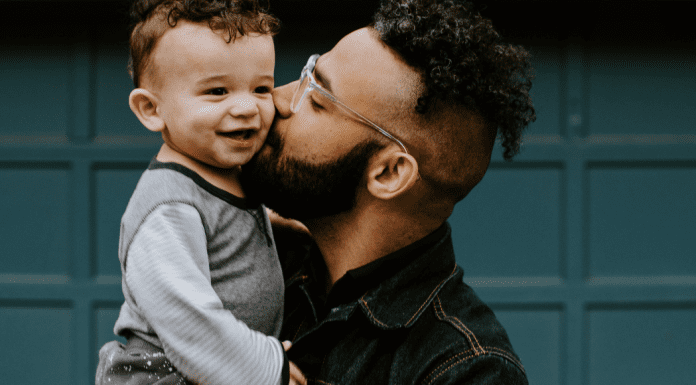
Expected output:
(216, 78)
(213, 78)
(267, 77)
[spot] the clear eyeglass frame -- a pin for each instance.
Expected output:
(308, 83)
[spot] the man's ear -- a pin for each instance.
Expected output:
(144, 105)
(391, 173)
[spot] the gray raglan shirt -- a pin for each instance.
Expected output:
(201, 278)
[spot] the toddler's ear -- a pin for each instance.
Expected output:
(143, 103)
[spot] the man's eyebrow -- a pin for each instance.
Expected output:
(326, 83)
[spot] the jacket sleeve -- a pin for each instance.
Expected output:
(485, 369)
(168, 275)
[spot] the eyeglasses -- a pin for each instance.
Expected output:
(308, 84)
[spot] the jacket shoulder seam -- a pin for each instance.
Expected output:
(458, 324)
(462, 357)
(473, 341)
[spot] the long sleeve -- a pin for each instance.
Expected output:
(168, 275)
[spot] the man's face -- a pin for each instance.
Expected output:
(314, 160)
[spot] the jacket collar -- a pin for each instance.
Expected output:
(401, 297)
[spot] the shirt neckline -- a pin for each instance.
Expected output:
(241, 203)
(356, 282)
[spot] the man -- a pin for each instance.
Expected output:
(371, 149)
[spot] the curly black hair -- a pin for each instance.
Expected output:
(462, 59)
(151, 18)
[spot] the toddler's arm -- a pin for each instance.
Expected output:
(168, 275)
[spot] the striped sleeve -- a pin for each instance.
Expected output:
(169, 277)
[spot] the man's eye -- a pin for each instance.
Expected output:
(262, 90)
(315, 105)
(217, 91)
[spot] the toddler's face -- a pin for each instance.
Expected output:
(214, 97)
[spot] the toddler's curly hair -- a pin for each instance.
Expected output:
(150, 19)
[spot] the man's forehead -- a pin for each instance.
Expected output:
(361, 64)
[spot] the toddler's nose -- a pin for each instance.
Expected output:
(244, 107)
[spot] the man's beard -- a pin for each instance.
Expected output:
(300, 190)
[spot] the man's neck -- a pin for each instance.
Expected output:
(350, 240)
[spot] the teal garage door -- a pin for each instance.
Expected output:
(584, 245)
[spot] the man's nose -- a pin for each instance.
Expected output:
(282, 97)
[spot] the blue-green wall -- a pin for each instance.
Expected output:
(584, 245)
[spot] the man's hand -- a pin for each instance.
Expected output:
(296, 376)
(279, 222)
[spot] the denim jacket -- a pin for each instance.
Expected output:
(410, 321)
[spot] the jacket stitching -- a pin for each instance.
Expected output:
(505, 354)
(427, 300)
(502, 353)
(458, 325)
(449, 367)
(437, 288)
(457, 321)
(372, 315)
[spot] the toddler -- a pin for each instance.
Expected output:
(202, 282)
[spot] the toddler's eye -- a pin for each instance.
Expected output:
(217, 91)
(262, 90)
